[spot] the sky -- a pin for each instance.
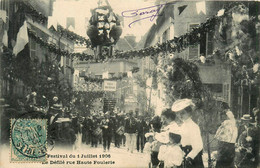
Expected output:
(81, 9)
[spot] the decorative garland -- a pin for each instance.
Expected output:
(54, 49)
(38, 17)
(120, 77)
(72, 36)
(50, 46)
(28, 9)
(175, 45)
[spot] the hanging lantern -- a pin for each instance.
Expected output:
(104, 26)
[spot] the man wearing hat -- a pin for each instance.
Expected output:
(107, 127)
(191, 139)
(248, 143)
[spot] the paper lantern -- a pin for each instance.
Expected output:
(115, 32)
(92, 32)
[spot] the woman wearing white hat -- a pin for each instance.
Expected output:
(191, 139)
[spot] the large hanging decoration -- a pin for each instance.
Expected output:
(104, 29)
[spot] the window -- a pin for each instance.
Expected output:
(216, 89)
(159, 39)
(226, 92)
(33, 47)
(194, 50)
(70, 22)
(98, 76)
(210, 43)
(206, 43)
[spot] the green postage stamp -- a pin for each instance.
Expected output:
(28, 140)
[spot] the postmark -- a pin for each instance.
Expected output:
(28, 140)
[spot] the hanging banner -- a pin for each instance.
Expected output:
(109, 85)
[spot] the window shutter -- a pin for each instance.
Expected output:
(194, 50)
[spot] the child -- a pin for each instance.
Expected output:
(171, 153)
(155, 127)
(148, 147)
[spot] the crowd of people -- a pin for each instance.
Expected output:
(179, 142)
(172, 139)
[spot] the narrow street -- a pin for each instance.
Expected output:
(116, 157)
(176, 82)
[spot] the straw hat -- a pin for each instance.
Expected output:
(246, 117)
(56, 107)
(182, 104)
(162, 137)
(175, 130)
(62, 120)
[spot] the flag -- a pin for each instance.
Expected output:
(3, 15)
(52, 22)
(181, 8)
(21, 39)
(221, 12)
(105, 75)
(61, 61)
(129, 74)
(76, 72)
(201, 7)
(5, 39)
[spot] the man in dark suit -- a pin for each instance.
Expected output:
(131, 131)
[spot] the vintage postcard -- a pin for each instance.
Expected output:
(129, 84)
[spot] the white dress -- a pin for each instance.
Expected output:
(147, 152)
(171, 154)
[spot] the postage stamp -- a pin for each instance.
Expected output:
(28, 140)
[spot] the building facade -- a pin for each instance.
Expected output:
(40, 45)
(117, 71)
(178, 18)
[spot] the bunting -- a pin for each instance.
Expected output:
(105, 75)
(52, 22)
(201, 7)
(181, 8)
(129, 74)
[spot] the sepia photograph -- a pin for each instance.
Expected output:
(129, 84)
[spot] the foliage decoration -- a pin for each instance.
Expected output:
(120, 76)
(29, 10)
(72, 36)
(83, 102)
(181, 79)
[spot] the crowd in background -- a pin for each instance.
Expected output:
(172, 139)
